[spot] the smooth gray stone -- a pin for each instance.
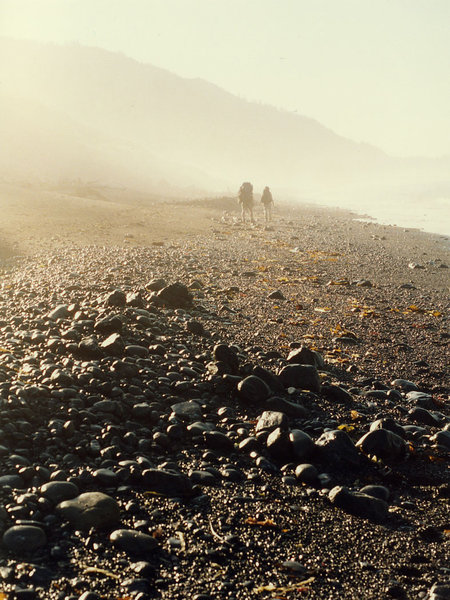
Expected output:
(216, 440)
(279, 445)
(442, 438)
(361, 505)
(304, 377)
(91, 509)
(377, 491)
(422, 415)
(306, 356)
(13, 481)
(167, 483)
(405, 385)
(134, 543)
(57, 491)
(189, 410)
(24, 539)
(439, 591)
(383, 444)
(337, 448)
(59, 312)
(303, 446)
(388, 424)
(270, 420)
(291, 409)
(306, 473)
(253, 389)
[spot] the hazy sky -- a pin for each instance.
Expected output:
(373, 70)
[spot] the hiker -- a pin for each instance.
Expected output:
(246, 200)
(267, 202)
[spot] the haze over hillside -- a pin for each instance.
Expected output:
(84, 113)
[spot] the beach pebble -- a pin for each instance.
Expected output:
(254, 390)
(167, 482)
(383, 444)
(91, 509)
(303, 446)
(57, 491)
(24, 539)
(306, 356)
(359, 504)
(135, 543)
(189, 410)
(337, 448)
(304, 377)
(270, 420)
(306, 473)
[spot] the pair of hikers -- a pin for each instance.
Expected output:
(246, 201)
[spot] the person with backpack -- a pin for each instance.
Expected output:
(267, 202)
(245, 198)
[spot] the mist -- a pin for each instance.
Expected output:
(84, 114)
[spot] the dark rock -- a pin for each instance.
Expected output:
(441, 438)
(304, 377)
(216, 440)
(270, 420)
(303, 446)
(189, 410)
(116, 298)
(359, 504)
(273, 381)
(306, 473)
(377, 491)
(175, 295)
(291, 409)
(167, 483)
(306, 356)
(383, 444)
(88, 349)
(253, 390)
(91, 509)
(57, 491)
(276, 295)
(421, 415)
(389, 424)
(113, 345)
(109, 324)
(228, 357)
(439, 591)
(155, 285)
(338, 449)
(24, 539)
(336, 393)
(405, 385)
(134, 543)
(279, 445)
(195, 327)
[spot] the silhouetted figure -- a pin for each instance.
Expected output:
(246, 200)
(267, 202)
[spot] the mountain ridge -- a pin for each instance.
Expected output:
(186, 130)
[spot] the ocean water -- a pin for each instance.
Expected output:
(403, 208)
(430, 215)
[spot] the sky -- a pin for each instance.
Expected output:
(376, 71)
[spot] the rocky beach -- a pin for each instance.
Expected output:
(196, 408)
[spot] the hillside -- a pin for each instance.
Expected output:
(108, 117)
